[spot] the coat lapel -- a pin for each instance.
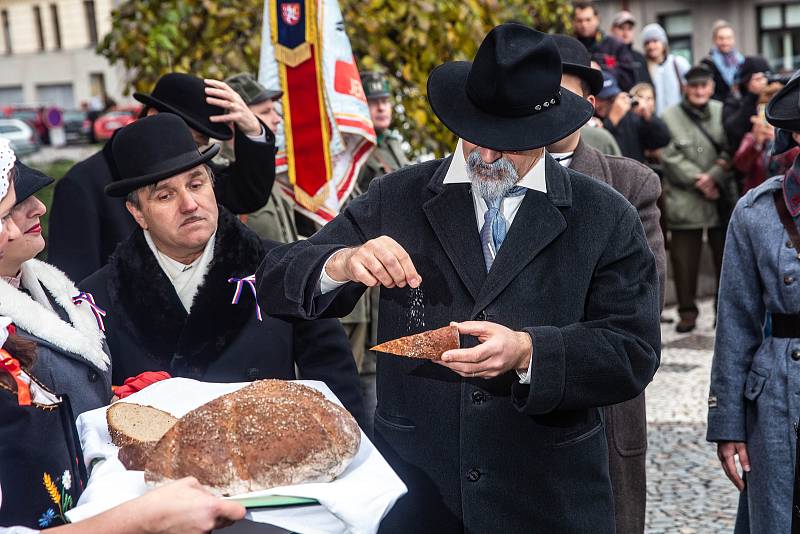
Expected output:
(538, 222)
(451, 214)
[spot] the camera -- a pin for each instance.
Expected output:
(634, 102)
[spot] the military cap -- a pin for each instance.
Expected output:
(250, 90)
(375, 84)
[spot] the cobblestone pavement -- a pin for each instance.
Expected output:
(687, 492)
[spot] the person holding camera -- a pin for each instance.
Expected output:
(742, 104)
(633, 124)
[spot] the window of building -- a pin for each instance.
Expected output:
(37, 18)
(56, 26)
(679, 32)
(779, 30)
(91, 21)
(6, 30)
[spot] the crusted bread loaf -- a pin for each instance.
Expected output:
(428, 345)
(134, 424)
(267, 434)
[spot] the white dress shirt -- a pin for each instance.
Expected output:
(186, 279)
(534, 179)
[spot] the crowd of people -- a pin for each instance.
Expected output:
(592, 162)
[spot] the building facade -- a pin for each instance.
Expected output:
(765, 27)
(48, 57)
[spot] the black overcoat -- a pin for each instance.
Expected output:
(86, 225)
(148, 329)
(575, 272)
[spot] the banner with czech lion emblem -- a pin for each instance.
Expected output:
(326, 135)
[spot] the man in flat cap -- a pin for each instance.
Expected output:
(179, 292)
(626, 423)
(86, 225)
(545, 272)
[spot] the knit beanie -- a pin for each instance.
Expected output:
(653, 32)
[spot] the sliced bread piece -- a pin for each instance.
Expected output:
(134, 424)
(428, 345)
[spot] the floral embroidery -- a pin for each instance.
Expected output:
(62, 499)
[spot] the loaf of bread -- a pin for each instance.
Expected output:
(267, 434)
(428, 345)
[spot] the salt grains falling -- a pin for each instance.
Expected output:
(416, 311)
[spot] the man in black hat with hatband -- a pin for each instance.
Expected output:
(626, 424)
(179, 293)
(86, 225)
(548, 277)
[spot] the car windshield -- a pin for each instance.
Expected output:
(74, 115)
(7, 128)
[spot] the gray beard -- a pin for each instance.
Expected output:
(493, 180)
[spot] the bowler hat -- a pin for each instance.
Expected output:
(185, 96)
(509, 98)
(28, 181)
(153, 149)
(251, 91)
(575, 60)
(783, 111)
(375, 85)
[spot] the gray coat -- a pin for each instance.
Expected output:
(626, 423)
(71, 355)
(575, 272)
(754, 378)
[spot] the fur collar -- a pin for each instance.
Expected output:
(82, 338)
(145, 302)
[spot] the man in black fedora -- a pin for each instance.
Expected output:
(86, 225)
(626, 424)
(548, 277)
(179, 292)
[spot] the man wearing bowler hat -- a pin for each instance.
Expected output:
(545, 272)
(86, 225)
(626, 424)
(179, 292)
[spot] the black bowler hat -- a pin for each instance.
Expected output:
(509, 98)
(783, 111)
(185, 96)
(28, 181)
(152, 149)
(575, 60)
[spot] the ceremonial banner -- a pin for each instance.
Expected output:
(326, 134)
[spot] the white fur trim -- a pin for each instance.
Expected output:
(83, 337)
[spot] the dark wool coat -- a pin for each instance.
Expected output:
(148, 329)
(575, 272)
(86, 225)
(626, 423)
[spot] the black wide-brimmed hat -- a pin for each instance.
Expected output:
(185, 96)
(509, 98)
(152, 149)
(783, 111)
(575, 60)
(28, 181)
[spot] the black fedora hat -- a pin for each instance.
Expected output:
(153, 149)
(29, 181)
(509, 98)
(783, 110)
(185, 96)
(575, 60)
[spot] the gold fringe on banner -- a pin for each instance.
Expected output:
(307, 201)
(292, 57)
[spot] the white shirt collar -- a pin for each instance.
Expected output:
(457, 173)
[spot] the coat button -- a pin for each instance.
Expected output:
(482, 315)
(478, 397)
(796, 355)
(473, 475)
(788, 280)
(93, 376)
(252, 373)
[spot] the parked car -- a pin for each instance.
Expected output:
(107, 124)
(77, 126)
(34, 116)
(23, 139)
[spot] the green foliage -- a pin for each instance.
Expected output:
(406, 38)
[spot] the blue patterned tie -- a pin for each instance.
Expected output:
(493, 231)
